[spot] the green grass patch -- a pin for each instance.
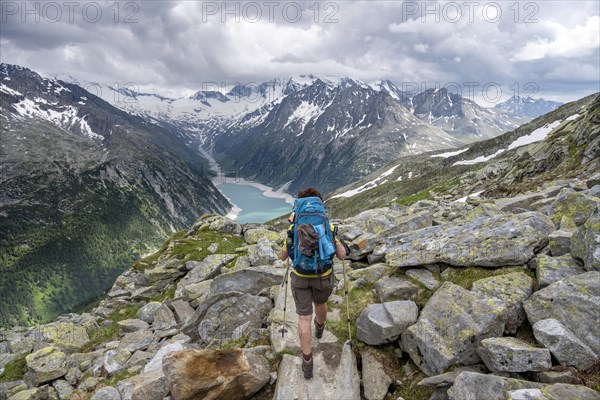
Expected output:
(413, 198)
(234, 343)
(169, 294)
(14, 370)
(192, 248)
(465, 276)
(111, 331)
(358, 300)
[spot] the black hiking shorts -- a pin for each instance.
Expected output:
(307, 291)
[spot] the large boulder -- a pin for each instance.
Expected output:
(234, 317)
(559, 243)
(370, 274)
(204, 270)
(215, 374)
(264, 252)
(585, 243)
(572, 301)
(513, 289)
(107, 393)
(476, 386)
(572, 209)
(559, 391)
(163, 318)
(563, 344)
(424, 277)
(508, 354)
(113, 361)
(147, 312)
(451, 325)
(64, 335)
(166, 270)
(251, 280)
(253, 235)
(395, 288)
(487, 241)
(138, 340)
(45, 365)
(552, 269)
(148, 386)
(384, 323)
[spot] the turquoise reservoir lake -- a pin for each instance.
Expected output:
(255, 206)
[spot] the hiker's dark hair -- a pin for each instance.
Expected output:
(309, 192)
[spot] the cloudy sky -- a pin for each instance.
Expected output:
(547, 48)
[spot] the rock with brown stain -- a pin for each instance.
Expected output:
(215, 374)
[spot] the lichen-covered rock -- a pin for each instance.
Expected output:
(40, 393)
(384, 323)
(451, 325)
(138, 340)
(573, 209)
(45, 365)
(215, 374)
(552, 269)
(156, 362)
(264, 252)
(147, 312)
(563, 344)
(64, 335)
(234, 317)
(559, 243)
(132, 325)
(476, 386)
(572, 301)
(508, 354)
(163, 318)
(166, 270)
(370, 274)
(252, 236)
(113, 361)
(424, 277)
(487, 241)
(149, 386)
(207, 269)
(107, 393)
(559, 391)
(19, 343)
(513, 289)
(395, 288)
(585, 243)
(251, 280)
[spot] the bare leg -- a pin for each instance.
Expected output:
(321, 313)
(304, 331)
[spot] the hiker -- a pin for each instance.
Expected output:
(312, 279)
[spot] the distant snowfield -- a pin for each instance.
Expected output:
(450, 154)
(464, 199)
(536, 136)
(369, 185)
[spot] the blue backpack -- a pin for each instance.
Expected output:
(312, 237)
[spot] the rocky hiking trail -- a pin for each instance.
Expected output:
(335, 370)
(491, 299)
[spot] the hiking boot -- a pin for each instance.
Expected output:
(319, 329)
(307, 368)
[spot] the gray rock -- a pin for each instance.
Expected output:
(508, 354)
(487, 241)
(447, 379)
(114, 361)
(585, 243)
(19, 343)
(251, 280)
(347, 379)
(476, 386)
(513, 289)
(560, 243)
(234, 317)
(41, 393)
(139, 359)
(163, 318)
(564, 345)
(369, 274)
(395, 288)
(63, 389)
(264, 252)
(225, 374)
(45, 365)
(375, 381)
(521, 201)
(552, 377)
(580, 295)
(553, 269)
(572, 210)
(147, 312)
(424, 277)
(132, 325)
(156, 362)
(183, 311)
(559, 391)
(150, 386)
(107, 393)
(384, 323)
(139, 340)
(252, 236)
(209, 268)
(451, 325)
(166, 270)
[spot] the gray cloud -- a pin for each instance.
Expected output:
(177, 46)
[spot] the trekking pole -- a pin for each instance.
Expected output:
(283, 329)
(347, 305)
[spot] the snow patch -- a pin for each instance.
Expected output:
(6, 89)
(450, 154)
(369, 185)
(464, 199)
